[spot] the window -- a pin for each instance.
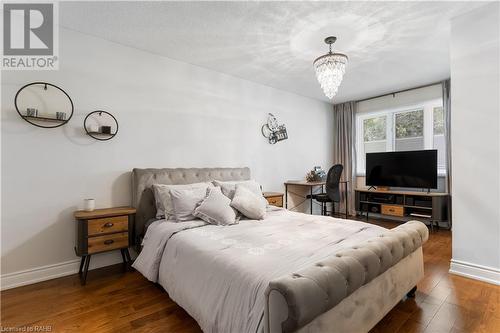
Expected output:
(374, 134)
(438, 140)
(415, 127)
(409, 128)
(438, 119)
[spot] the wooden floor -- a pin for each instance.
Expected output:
(113, 301)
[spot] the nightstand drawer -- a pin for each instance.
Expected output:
(107, 242)
(275, 201)
(107, 225)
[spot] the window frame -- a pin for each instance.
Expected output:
(390, 113)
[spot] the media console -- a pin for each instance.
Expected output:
(429, 207)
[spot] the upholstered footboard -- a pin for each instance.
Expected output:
(359, 285)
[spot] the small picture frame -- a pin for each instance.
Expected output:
(106, 129)
(31, 112)
(61, 115)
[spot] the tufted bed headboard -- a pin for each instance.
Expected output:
(143, 179)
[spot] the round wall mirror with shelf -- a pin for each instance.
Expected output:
(100, 125)
(44, 105)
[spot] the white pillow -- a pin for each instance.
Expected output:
(216, 208)
(164, 208)
(184, 201)
(229, 187)
(248, 203)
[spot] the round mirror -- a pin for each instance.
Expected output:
(101, 125)
(44, 105)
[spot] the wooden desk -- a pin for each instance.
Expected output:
(311, 186)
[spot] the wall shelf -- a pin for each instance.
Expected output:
(100, 133)
(47, 119)
(42, 91)
(100, 136)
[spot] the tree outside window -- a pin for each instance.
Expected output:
(438, 114)
(374, 129)
(410, 124)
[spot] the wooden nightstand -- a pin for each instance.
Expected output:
(103, 230)
(274, 198)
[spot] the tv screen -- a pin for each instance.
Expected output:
(402, 169)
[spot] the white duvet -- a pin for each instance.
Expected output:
(219, 274)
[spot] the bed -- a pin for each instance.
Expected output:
(290, 272)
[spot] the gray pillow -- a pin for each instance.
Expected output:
(248, 203)
(184, 202)
(216, 208)
(229, 187)
(164, 208)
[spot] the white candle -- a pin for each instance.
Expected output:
(93, 128)
(89, 205)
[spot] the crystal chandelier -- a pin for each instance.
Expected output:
(330, 69)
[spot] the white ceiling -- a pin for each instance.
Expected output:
(391, 45)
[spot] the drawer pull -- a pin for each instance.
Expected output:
(108, 241)
(109, 225)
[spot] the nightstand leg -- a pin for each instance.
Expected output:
(127, 254)
(83, 279)
(125, 263)
(81, 265)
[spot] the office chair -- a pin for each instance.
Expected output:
(332, 189)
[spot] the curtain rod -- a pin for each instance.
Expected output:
(400, 91)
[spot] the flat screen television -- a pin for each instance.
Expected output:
(402, 169)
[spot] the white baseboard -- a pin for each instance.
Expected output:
(476, 272)
(49, 272)
(39, 274)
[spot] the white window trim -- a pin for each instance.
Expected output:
(427, 106)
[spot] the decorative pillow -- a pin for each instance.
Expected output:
(248, 203)
(184, 202)
(228, 188)
(164, 208)
(216, 208)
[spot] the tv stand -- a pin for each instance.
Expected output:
(431, 207)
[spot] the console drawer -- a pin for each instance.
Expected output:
(392, 210)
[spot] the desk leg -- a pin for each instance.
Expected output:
(286, 196)
(311, 199)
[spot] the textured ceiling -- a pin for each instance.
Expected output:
(391, 45)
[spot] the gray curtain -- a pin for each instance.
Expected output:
(446, 87)
(344, 129)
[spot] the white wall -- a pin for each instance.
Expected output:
(475, 124)
(171, 114)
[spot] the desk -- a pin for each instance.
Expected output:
(311, 186)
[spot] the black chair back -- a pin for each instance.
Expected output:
(333, 181)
